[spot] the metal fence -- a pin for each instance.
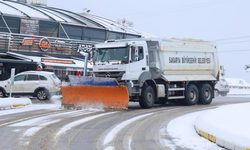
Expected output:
(47, 45)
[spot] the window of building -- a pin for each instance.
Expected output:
(49, 29)
(32, 77)
(74, 32)
(115, 35)
(129, 36)
(12, 22)
(94, 35)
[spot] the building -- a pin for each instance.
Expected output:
(37, 36)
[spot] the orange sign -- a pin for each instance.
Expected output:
(49, 67)
(44, 44)
(28, 41)
(58, 61)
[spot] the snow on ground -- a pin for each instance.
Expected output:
(78, 122)
(184, 135)
(110, 136)
(54, 104)
(229, 123)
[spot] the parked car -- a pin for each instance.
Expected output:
(40, 84)
(221, 88)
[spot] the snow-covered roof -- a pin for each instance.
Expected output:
(24, 10)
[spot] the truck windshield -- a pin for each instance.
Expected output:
(109, 54)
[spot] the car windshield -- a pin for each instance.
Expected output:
(109, 54)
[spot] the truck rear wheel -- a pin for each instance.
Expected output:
(206, 94)
(192, 95)
(147, 99)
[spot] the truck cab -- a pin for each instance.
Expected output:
(124, 61)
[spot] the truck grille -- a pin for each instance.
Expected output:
(117, 75)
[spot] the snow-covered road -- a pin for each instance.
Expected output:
(45, 126)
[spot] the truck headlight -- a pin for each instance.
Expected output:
(120, 62)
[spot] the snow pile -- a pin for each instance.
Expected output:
(237, 82)
(228, 123)
(14, 102)
(239, 91)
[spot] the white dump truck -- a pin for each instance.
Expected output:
(160, 70)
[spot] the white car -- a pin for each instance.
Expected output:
(221, 88)
(40, 84)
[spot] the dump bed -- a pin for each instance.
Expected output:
(186, 60)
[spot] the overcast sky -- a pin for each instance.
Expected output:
(206, 19)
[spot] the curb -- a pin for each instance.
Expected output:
(218, 141)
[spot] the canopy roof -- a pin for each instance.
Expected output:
(23, 10)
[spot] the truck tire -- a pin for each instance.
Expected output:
(41, 94)
(148, 98)
(192, 95)
(206, 94)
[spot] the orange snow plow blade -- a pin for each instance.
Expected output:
(94, 92)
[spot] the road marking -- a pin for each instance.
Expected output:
(110, 136)
(78, 122)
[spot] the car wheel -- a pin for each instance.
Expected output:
(216, 93)
(147, 99)
(1, 93)
(192, 95)
(41, 94)
(223, 94)
(206, 95)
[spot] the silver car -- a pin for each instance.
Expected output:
(221, 88)
(40, 84)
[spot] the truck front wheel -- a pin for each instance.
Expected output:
(206, 94)
(192, 95)
(147, 99)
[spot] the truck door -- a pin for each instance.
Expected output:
(138, 61)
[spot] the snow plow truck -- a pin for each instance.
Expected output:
(148, 71)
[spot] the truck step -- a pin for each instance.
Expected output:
(176, 89)
(136, 84)
(176, 97)
(135, 92)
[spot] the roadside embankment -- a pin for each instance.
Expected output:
(6, 103)
(227, 126)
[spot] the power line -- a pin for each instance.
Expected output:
(234, 42)
(243, 50)
(232, 38)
